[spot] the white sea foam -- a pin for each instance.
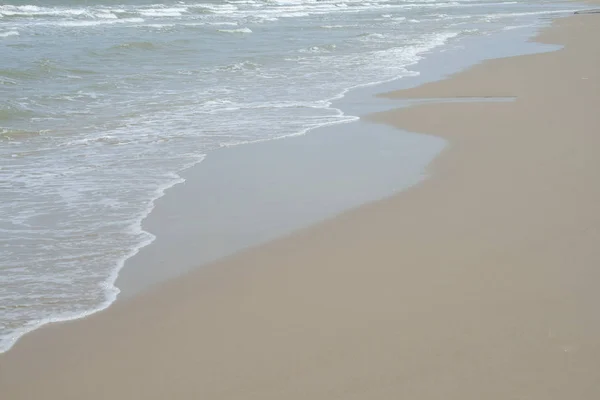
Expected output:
(215, 8)
(319, 49)
(9, 33)
(110, 290)
(222, 23)
(513, 27)
(100, 22)
(159, 26)
(240, 30)
(163, 12)
(106, 15)
(32, 11)
(531, 13)
(372, 36)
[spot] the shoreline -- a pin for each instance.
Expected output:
(344, 102)
(351, 102)
(409, 326)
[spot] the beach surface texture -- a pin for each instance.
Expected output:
(478, 283)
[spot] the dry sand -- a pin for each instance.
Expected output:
(480, 283)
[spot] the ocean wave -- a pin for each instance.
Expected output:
(240, 30)
(33, 11)
(136, 46)
(213, 8)
(222, 23)
(163, 12)
(240, 66)
(104, 140)
(82, 24)
(159, 26)
(371, 36)
(20, 73)
(531, 13)
(263, 11)
(106, 15)
(14, 111)
(319, 49)
(17, 134)
(9, 34)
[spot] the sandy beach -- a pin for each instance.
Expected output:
(478, 283)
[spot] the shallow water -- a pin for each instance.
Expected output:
(103, 103)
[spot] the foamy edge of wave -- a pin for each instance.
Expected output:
(111, 291)
(9, 34)
(240, 30)
(78, 24)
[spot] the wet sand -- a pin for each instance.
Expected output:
(479, 283)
